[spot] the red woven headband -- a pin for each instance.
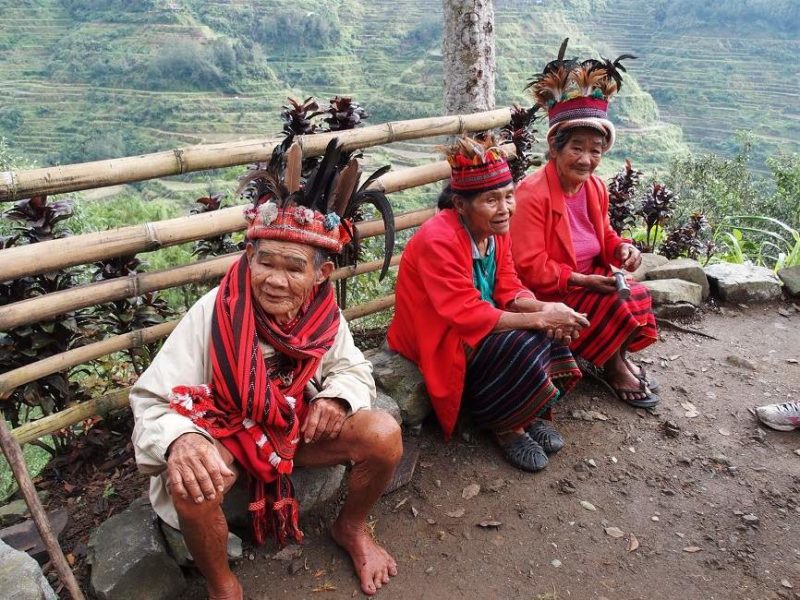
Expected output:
(467, 177)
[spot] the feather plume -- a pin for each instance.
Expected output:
(346, 183)
(586, 79)
(474, 150)
(294, 164)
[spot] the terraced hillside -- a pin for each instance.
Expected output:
(101, 78)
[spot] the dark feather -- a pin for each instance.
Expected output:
(381, 203)
(317, 190)
(379, 173)
(346, 183)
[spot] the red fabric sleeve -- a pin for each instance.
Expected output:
(453, 293)
(507, 286)
(530, 226)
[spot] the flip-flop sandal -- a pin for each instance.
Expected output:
(650, 382)
(524, 453)
(546, 436)
(649, 401)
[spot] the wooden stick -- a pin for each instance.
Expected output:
(50, 305)
(66, 360)
(17, 462)
(68, 417)
(53, 255)
(107, 403)
(103, 173)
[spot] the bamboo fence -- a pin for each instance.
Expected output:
(103, 173)
(63, 253)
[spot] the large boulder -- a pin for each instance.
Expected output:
(685, 269)
(790, 276)
(387, 403)
(674, 291)
(743, 283)
(400, 378)
(21, 578)
(649, 262)
(129, 558)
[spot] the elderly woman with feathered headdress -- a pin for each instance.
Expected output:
(476, 333)
(564, 245)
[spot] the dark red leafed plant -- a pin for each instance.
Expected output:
(213, 246)
(520, 132)
(621, 191)
(656, 209)
(298, 117)
(344, 113)
(692, 240)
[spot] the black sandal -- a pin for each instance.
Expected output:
(524, 453)
(650, 382)
(546, 436)
(649, 401)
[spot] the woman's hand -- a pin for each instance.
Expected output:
(596, 283)
(629, 256)
(562, 324)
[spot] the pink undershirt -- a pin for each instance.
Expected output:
(584, 237)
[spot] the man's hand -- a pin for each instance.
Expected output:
(629, 256)
(195, 468)
(324, 420)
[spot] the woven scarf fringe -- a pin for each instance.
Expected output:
(279, 519)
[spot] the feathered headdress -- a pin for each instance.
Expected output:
(576, 94)
(319, 211)
(477, 164)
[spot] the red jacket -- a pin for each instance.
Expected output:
(438, 309)
(543, 251)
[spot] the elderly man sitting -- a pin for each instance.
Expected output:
(262, 375)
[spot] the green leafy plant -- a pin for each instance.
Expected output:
(761, 240)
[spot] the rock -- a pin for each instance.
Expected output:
(400, 379)
(25, 536)
(740, 362)
(790, 276)
(743, 283)
(178, 550)
(679, 310)
(21, 578)
(684, 269)
(649, 262)
(313, 487)
(387, 403)
(129, 558)
(674, 291)
(13, 513)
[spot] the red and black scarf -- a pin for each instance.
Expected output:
(256, 410)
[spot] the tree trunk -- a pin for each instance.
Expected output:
(469, 57)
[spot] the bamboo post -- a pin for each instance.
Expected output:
(48, 306)
(17, 462)
(66, 360)
(107, 403)
(103, 173)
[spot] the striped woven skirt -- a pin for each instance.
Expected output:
(612, 322)
(516, 376)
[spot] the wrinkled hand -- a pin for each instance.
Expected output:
(563, 325)
(548, 307)
(325, 419)
(629, 256)
(599, 283)
(195, 468)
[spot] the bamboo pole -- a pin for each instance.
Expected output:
(103, 405)
(15, 459)
(100, 406)
(48, 306)
(32, 259)
(66, 360)
(103, 173)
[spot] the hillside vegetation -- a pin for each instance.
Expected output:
(89, 79)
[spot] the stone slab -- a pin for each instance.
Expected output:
(650, 261)
(674, 291)
(386, 402)
(682, 268)
(129, 558)
(25, 536)
(743, 283)
(21, 577)
(400, 378)
(790, 276)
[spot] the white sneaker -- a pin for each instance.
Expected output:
(783, 417)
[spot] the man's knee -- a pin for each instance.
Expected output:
(190, 511)
(380, 437)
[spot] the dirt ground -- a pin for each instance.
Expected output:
(707, 507)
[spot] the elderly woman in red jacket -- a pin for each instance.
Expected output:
(564, 246)
(476, 333)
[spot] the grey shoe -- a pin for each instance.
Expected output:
(524, 453)
(544, 434)
(782, 417)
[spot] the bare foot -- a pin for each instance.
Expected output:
(627, 385)
(372, 563)
(230, 591)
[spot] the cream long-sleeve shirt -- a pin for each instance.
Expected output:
(184, 360)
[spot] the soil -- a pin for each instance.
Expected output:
(705, 503)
